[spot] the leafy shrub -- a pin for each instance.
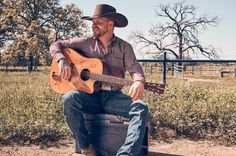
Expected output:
(197, 110)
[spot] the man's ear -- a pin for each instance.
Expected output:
(111, 23)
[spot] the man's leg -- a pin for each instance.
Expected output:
(121, 104)
(74, 104)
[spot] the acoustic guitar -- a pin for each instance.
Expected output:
(85, 72)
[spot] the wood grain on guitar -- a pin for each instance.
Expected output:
(85, 72)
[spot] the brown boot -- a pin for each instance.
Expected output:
(88, 152)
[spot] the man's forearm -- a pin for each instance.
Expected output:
(138, 77)
(56, 51)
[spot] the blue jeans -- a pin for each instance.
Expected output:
(111, 102)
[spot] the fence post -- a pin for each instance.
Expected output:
(6, 67)
(30, 63)
(221, 73)
(164, 69)
(192, 69)
(172, 69)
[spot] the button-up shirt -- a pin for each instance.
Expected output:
(117, 59)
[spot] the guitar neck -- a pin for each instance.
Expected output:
(159, 88)
(110, 79)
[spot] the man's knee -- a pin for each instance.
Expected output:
(69, 100)
(79, 101)
(140, 106)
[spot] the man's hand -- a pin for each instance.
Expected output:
(136, 90)
(64, 69)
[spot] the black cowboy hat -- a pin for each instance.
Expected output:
(104, 10)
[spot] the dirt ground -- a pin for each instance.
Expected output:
(177, 147)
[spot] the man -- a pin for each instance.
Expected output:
(117, 57)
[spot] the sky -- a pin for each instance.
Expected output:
(141, 16)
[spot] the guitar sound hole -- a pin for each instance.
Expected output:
(84, 75)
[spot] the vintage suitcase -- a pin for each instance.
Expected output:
(108, 133)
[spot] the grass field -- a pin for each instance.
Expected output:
(32, 113)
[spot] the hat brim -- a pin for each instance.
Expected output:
(119, 19)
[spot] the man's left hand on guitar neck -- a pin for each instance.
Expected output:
(136, 90)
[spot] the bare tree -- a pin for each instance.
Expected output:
(179, 35)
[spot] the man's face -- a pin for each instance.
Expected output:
(100, 26)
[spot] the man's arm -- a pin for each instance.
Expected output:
(56, 48)
(56, 51)
(133, 67)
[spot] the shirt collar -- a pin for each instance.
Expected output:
(113, 39)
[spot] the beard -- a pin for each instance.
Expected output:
(97, 32)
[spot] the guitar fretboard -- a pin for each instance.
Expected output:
(159, 88)
(110, 79)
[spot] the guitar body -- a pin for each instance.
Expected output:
(79, 65)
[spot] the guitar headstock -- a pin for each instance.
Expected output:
(155, 87)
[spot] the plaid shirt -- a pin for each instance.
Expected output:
(118, 59)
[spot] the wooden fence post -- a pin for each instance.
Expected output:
(221, 73)
(6, 67)
(192, 69)
(172, 69)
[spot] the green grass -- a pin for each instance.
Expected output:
(31, 112)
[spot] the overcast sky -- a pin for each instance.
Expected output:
(141, 15)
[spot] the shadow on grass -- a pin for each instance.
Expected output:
(47, 140)
(161, 154)
(19, 70)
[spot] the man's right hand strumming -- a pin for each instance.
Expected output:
(64, 69)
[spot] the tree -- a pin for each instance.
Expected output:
(66, 23)
(179, 35)
(2, 31)
(35, 24)
(5, 30)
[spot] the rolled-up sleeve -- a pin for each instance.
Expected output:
(56, 48)
(132, 65)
